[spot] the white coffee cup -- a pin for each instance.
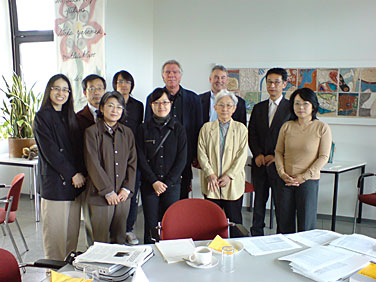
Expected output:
(201, 255)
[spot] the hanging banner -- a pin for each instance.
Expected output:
(79, 34)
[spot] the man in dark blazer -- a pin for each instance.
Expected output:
(94, 87)
(266, 120)
(186, 108)
(218, 80)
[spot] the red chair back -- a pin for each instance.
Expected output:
(369, 199)
(248, 187)
(198, 219)
(9, 270)
(15, 191)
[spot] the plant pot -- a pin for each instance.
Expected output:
(17, 144)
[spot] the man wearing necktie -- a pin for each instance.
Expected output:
(266, 120)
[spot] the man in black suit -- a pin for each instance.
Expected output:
(218, 80)
(266, 120)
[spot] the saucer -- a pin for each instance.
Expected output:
(213, 263)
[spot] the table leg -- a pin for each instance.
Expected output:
(31, 177)
(359, 219)
(36, 195)
(334, 207)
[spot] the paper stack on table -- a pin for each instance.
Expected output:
(314, 237)
(326, 263)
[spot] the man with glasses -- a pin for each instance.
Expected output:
(266, 120)
(94, 87)
(218, 80)
(186, 108)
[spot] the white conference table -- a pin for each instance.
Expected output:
(265, 268)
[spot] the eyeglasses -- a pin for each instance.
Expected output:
(225, 106)
(174, 72)
(112, 107)
(121, 81)
(93, 89)
(163, 103)
(58, 88)
(304, 104)
(276, 83)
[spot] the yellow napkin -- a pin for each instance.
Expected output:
(218, 243)
(59, 277)
(369, 271)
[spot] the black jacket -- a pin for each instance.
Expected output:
(58, 160)
(168, 164)
(262, 139)
(134, 114)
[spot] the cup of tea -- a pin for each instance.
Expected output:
(202, 255)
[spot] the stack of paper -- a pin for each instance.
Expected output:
(116, 254)
(326, 263)
(264, 245)
(367, 274)
(176, 250)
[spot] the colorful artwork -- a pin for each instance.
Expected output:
(307, 78)
(342, 92)
(328, 104)
(233, 80)
(251, 99)
(349, 80)
(347, 104)
(368, 80)
(248, 79)
(327, 80)
(367, 105)
(291, 80)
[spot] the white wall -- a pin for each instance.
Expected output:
(129, 43)
(292, 33)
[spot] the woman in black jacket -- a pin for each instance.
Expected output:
(60, 168)
(162, 152)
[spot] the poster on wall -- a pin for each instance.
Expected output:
(79, 34)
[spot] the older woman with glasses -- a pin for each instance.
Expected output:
(222, 154)
(111, 161)
(162, 154)
(302, 149)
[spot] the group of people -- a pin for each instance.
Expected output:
(98, 158)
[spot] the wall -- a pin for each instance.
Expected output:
(292, 33)
(129, 43)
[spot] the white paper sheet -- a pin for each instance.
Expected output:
(315, 237)
(357, 243)
(175, 250)
(263, 245)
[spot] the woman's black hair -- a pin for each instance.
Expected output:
(104, 99)
(158, 93)
(308, 95)
(67, 108)
(124, 74)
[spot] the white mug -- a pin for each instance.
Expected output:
(201, 255)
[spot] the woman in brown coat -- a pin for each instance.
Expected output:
(111, 161)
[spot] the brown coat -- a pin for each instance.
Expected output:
(111, 161)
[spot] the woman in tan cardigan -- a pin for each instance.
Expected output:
(302, 149)
(222, 154)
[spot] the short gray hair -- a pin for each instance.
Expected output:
(219, 67)
(224, 93)
(172, 62)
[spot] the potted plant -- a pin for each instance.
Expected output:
(18, 111)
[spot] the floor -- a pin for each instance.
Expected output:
(33, 232)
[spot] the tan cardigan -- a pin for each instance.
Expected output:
(303, 151)
(234, 158)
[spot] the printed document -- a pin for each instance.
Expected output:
(264, 245)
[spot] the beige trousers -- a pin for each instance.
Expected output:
(107, 224)
(61, 226)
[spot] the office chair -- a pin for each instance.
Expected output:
(198, 219)
(9, 270)
(369, 199)
(8, 213)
